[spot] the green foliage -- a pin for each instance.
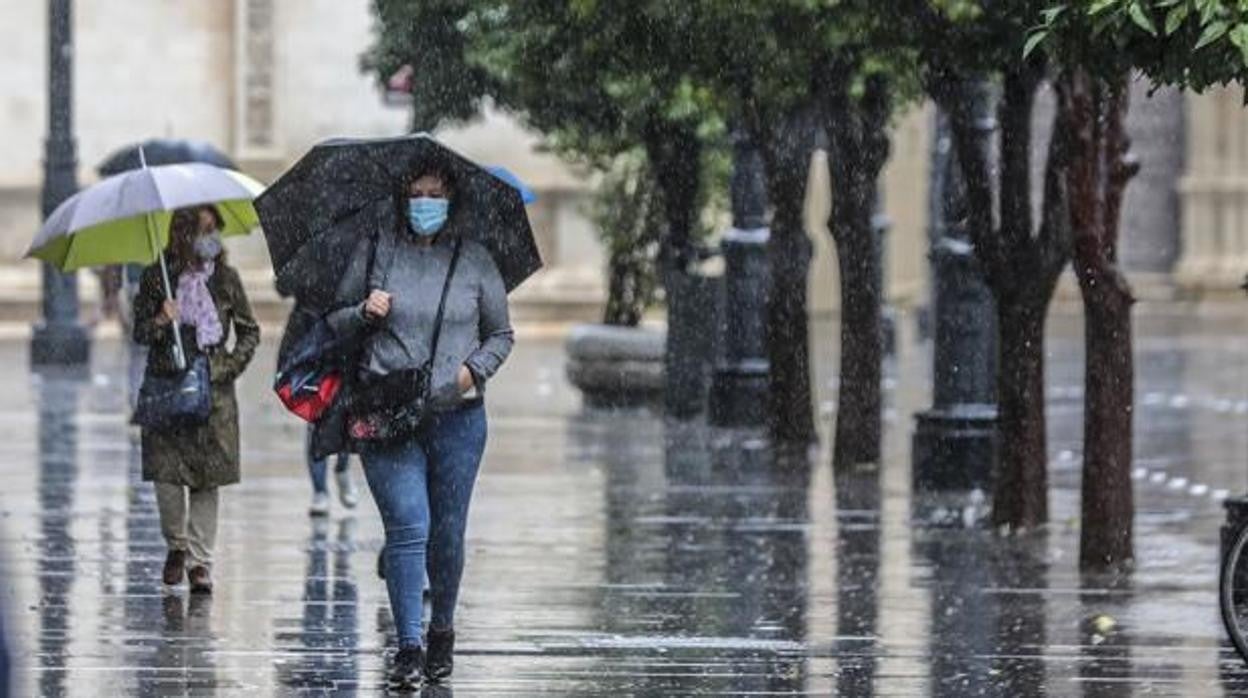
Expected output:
(427, 35)
(626, 211)
(772, 55)
(1189, 43)
(597, 78)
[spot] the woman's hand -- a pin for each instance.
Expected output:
(377, 306)
(465, 380)
(168, 312)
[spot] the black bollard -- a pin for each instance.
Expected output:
(60, 338)
(955, 442)
(692, 321)
(739, 387)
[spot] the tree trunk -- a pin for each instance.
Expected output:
(791, 414)
(637, 222)
(1097, 182)
(858, 416)
(857, 149)
(625, 302)
(1020, 497)
(675, 153)
(1022, 263)
(786, 154)
(1108, 501)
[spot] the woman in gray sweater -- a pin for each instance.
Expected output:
(423, 484)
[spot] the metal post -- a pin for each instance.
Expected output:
(739, 386)
(955, 442)
(60, 338)
(880, 226)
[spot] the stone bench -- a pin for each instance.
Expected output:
(616, 366)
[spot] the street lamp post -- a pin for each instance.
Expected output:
(955, 442)
(60, 339)
(739, 384)
(881, 224)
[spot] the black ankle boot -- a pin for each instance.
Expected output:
(441, 659)
(406, 670)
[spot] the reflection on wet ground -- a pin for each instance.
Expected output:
(613, 554)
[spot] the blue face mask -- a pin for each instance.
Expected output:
(427, 215)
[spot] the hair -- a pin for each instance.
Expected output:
(434, 169)
(183, 230)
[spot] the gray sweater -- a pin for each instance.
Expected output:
(476, 331)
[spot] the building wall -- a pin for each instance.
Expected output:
(1150, 213)
(1214, 194)
(135, 76)
(23, 107)
(262, 79)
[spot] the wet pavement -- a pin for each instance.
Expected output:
(613, 554)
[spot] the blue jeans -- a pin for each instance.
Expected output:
(318, 467)
(422, 487)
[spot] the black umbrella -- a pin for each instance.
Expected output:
(164, 151)
(342, 190)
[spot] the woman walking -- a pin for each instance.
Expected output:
(423, 482)
(318, 471)
(188, 463)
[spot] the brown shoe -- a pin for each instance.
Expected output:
(201, 580)
(175, 567)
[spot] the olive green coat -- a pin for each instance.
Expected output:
(201, 456)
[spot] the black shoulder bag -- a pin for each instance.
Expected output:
(183, 399)
(392, 406)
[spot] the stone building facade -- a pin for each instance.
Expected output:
(265, 79)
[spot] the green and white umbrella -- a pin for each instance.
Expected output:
(125, 218)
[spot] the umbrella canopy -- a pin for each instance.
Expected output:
(526, 194)
(343, 190)
(164, 151)
(125, 218)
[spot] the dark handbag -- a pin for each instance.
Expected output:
(314, 372)
(392, 406)
(182, 399)
(311, 376)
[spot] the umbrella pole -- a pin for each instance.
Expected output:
(179, 354)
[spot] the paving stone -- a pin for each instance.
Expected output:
(612, 554)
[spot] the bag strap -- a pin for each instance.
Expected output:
(389, 237)
(446, 287)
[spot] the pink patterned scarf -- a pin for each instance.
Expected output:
(195, 306)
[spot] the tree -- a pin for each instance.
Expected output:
(963, 43)
(1194, 43)
(789, 67)
(422, 44)
(745, 52)
(599, 79)
(859, 82)
(625, 212)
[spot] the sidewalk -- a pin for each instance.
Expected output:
(613, 555)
